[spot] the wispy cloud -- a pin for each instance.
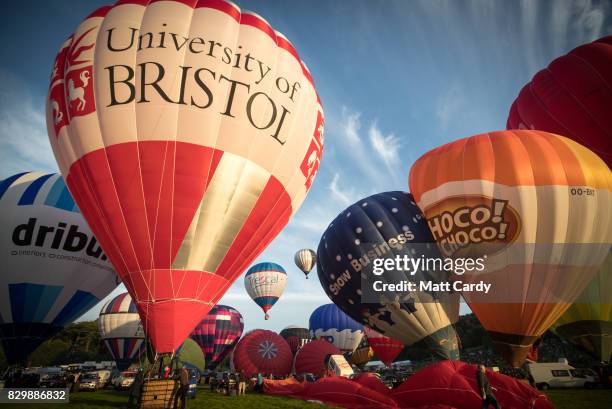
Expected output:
(345, 196)
(351, 126)
(450, 105)
(386, 147)
(24, 144)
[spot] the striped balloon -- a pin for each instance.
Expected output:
(537, 205)
(190, 132)
(305, 259)
(218, 333)
(265, 283)
(53, 270)
(296, 337)
(121, 330)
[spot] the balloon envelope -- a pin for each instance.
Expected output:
(121, 330)
(382, 227)
(265, 283)
(571, 97)
(520, 198)
(262, 351)
(588, 322)
(363, 353)
(330, 323)
(311, 358)
(296, 337)
(305, 259)
(53, 270)
(218, 333)
(184, 158)
(385, 348)
(453, 383)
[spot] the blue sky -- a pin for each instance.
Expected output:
(396, 79)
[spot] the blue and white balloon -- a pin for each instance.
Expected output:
(52, 269)
(330, 323)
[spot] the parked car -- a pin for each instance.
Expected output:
(194, 377)
(90, 381)
(52, 381)
(104, 375)
(124, 380)
(561, 375)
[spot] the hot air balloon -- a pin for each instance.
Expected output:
(330, 323)
(296, 337)
(262, 351)
(521, 199)
(363, 353)
(188, 143)
(380, 227)
(571, 97)
(305, 259)
(265, 283)
(121, 330)
(385, 348)
(453, 383)
(588, 322)
(218, 333)
(53, 269)
(312, 357)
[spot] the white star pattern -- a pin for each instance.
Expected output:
(268, 349)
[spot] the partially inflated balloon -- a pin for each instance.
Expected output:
(588, 322)
(265, 283)
(381, 227)
(262, 351)
(218, 333)
(121, 330)
(189, 133)
(296, 337)
(305, 259)
(385, 348)
(572, 97)
(53, 270)
(312, 358)
(330, 323)
(363, 353)
(526, 200)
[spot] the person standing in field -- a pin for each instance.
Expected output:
(484, 388)
(181, 393)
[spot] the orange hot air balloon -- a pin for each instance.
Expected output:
(571, 97)
(527, 201)
(189, 133)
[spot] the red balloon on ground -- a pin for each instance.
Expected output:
(311, 357)
(453, 383)
(572, 98)
(335, 391)
(369, 380)
(262, 351)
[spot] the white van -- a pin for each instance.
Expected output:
(338, 365)
(561, 375)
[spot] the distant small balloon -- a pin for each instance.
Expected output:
(305, 259)
(265, 283)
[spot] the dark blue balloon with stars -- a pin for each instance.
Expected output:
(386, 225)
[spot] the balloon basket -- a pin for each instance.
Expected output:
(156, 391)
(157, 394)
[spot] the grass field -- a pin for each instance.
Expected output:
(581, 398)
(204, 400)
(563, 399)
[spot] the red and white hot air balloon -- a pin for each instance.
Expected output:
(189, 133)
